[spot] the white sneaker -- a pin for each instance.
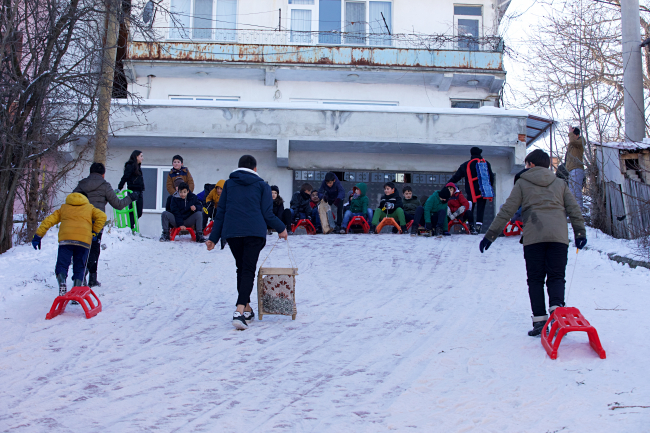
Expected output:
(238, 321)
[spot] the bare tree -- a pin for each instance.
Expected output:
(50, 74)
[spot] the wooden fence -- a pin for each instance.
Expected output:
(628, 209)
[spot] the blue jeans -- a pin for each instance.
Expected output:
(349, 214)
(75, 253)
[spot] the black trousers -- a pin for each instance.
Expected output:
(437, 218)
(139, 204)
(480, 209)
(246, 251)
(545, 261)
(93, 256)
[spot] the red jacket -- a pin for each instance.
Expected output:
(457, 200)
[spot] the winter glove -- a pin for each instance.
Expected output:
(36, 242)
(484, 245)
(337, 202)
(581, 242)
(428, 226)
(390, 206)
(355, 196)
(95, 238)
(117, 191)
(134, 195)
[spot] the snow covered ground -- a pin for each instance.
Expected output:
(392, 333)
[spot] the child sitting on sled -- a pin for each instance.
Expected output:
(434, 214)
(358, 206)
(545, 201)
(390, 205)
(80, 224)
(458, 208)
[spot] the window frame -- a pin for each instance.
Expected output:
(213, 34)
(452, 100)
(478, 18)
(161, 183)
(314, 19)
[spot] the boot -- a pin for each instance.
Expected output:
(404, 230)
(538, 325)
(62, 284)
(200, 238)
(165, 237)
(92, 280)
(472, 230)
(77, 283)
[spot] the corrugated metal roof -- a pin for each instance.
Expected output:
(537, 127)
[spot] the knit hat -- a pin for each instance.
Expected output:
(444, 194)
(180, 158)
(476, 151)
(275, 188)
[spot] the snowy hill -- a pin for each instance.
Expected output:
(392, 333)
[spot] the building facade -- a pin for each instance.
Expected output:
(373, 90)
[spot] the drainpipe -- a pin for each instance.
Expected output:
(632, 71)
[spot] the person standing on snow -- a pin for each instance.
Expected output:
(100, 192)
(134, 180)
(469, 168)
(574, 163)
(544, 200)
(244, 212)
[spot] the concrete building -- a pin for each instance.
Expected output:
(373, 90)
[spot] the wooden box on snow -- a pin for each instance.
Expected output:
(276, 291)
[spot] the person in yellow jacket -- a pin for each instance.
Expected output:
(212, 201)
(80, 223)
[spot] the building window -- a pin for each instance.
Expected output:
(301, 26)
(199, 19)
(379, 23)
(203, 98)
(155, 193)
(466, 103)
(468, 22)
(355, 22)
(372, 18)
(329, 22)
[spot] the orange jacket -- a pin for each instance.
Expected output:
(214, 196)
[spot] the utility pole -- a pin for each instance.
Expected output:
(106, 83)
(632, 71)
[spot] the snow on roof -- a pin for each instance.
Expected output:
(627, 145)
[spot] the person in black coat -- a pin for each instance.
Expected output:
(185, 210)
(278, 208)
(332, 191)
(461, 173)
(134, 180)
(300, 207)
(245, 210)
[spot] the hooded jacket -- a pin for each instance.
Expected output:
(332, 193)
(411, 205)
(360, 204)
(457, 203)
(461, 173)
(79, 220)
(100, 192)
(300, 203)
(133, 180)
(245, 208)
(432, 205)
(214, 195)
(545, 200)
(575, 152)
(182, 173)
(182, 207)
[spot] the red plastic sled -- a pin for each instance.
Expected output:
(208, 229)
(175, 231)
(568, 319)
(81, 294)
(388, 221)
(309, 227)
(453, 223)
(360, 222)
(513, 229)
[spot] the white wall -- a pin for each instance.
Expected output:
(256, 91)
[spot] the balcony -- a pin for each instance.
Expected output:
(335, 49)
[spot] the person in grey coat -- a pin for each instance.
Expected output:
(100, 192)
(544, 200)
